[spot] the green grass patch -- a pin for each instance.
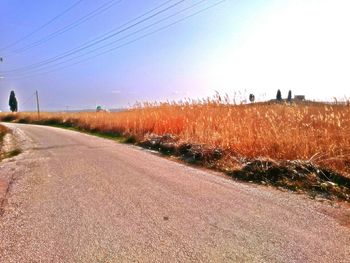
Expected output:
(106, 135)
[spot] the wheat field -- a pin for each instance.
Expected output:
(308, 131)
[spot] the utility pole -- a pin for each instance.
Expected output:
(37, 103)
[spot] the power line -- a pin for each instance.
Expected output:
(28, 99)
(41, 27)
(31, 66)
(104, 37)
(131, 34)
(70, 26)
(131, 41)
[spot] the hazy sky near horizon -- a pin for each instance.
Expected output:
(236, 47)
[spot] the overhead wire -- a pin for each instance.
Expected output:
(133, 33)
(110, 34)
(106, 6)
(129, 42)
(28, 99)
(82, 45)
(14, 43)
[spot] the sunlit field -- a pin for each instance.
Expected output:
(314, 132)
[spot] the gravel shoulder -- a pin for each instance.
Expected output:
(10, 146)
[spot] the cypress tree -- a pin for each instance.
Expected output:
(289, 96)
(13, 102)
(279, 95)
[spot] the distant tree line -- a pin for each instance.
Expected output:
(278, 96)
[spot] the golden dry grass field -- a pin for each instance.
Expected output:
(316, 132)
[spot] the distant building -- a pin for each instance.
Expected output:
(100, 109)
(299, 97)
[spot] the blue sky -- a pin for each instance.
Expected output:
(237, 47)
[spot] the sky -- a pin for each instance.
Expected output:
(181, 49)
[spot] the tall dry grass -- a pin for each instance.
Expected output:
(316, 132)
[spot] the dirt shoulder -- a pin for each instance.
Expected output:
(302, 176)
(3, 132)
(9, 148)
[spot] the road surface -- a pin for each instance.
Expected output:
(79, 198)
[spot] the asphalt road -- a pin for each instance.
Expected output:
(79, 198)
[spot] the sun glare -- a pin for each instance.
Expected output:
(302, 46)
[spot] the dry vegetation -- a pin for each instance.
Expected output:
(3, 131)
(312, 133)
